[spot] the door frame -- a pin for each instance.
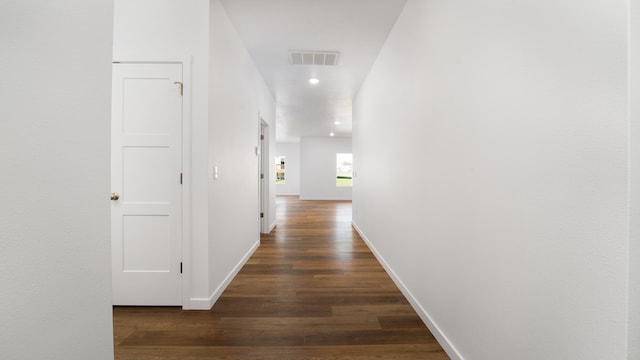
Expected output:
(185, 205)
(265, 168)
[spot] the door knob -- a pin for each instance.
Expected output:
(115, 196)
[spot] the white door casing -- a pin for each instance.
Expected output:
(265, 176)
(146, 166)
(261, 175)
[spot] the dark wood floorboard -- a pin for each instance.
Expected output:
(312, 290)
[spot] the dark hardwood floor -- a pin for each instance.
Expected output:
(312, 290)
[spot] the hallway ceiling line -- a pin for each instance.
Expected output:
(353, 29)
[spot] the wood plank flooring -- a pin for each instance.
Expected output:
(312, 290)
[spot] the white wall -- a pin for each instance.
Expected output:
(291, 184)
(318, 168)
(54, 150)
(238, 98)
(506, 220)
(634, 243)
(178, 30)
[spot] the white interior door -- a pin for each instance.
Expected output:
(146, 165)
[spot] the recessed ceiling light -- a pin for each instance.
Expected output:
(331, 134)
(314, 81)
(337, 122)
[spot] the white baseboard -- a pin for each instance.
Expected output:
(198, 304)
(329, 198)
(207, 303)
(272, 226)
(446, 344)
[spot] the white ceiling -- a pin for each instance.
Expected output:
(355, 28)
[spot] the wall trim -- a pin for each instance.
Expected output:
(199, 304)
(207, 303)
(286, 193)
(328, 198)
(266, 168)
(444, 341)
(187, 186)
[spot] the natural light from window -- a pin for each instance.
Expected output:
(344, 169)
(280, 169)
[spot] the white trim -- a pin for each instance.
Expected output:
(264, 128)
(207, 303)
(272, 226)
(446, 344)
(149, 62)
(328, 198)
(200, 304)
(186, 183)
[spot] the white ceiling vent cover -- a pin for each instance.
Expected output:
(324, 58)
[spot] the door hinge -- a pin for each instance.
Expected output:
(261, 176)
(261, 215)
(180, 267)
(261, 137)
(181, 87)
(180, 178)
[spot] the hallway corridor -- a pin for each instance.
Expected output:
(312, 290)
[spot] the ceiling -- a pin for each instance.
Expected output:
(356, 29)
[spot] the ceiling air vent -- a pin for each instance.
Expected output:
(324, 58)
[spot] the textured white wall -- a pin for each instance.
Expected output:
(318, 168)
(55, 67)
(177, 30)
(237, 95)
(490, 143)
(292, 168)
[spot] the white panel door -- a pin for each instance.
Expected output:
(146, 163)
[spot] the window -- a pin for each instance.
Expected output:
(280, 169)
(344, 169)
